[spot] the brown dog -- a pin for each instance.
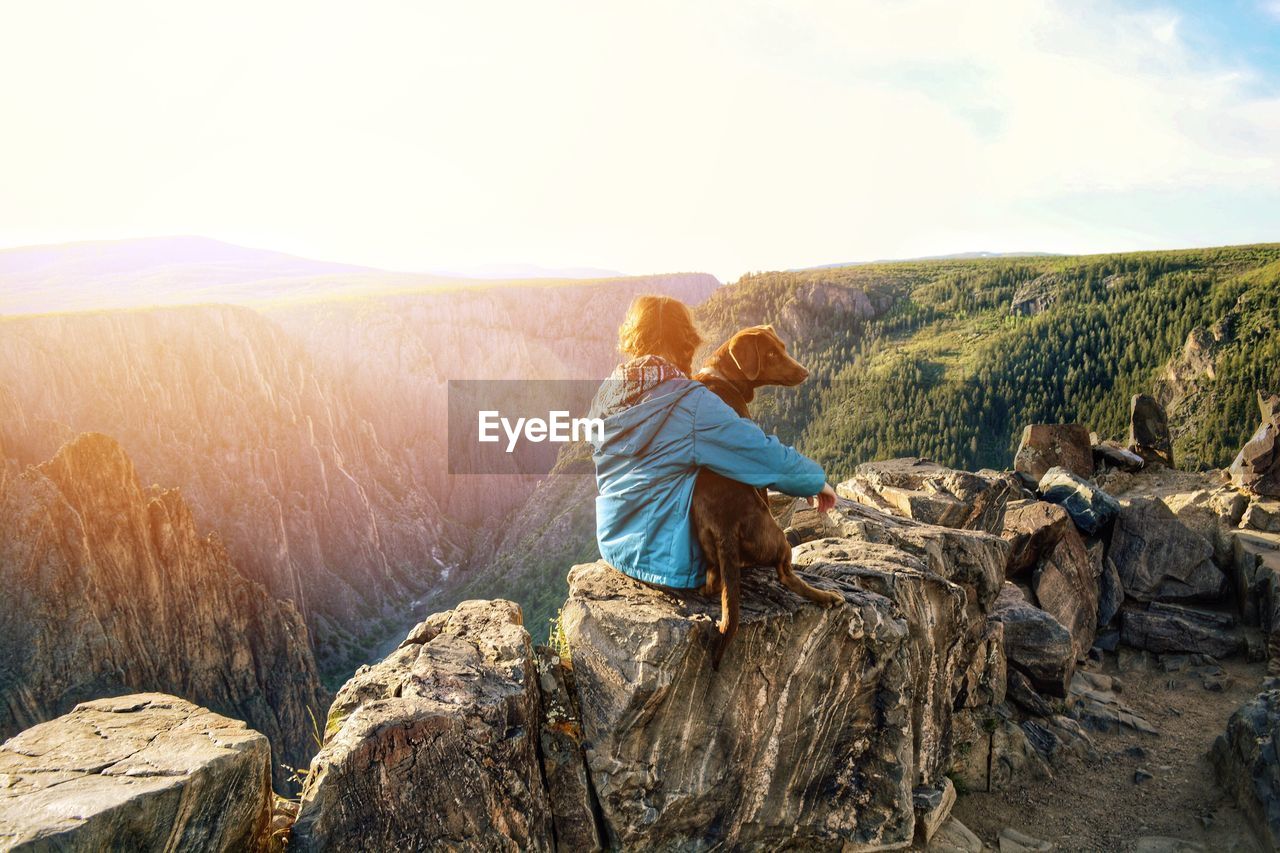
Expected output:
(732, 519)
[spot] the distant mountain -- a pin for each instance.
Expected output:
(958, 256)
(510, 271)
(155, 271)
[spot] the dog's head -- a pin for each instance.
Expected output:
(759, 356)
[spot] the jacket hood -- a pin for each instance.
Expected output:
(635, 403)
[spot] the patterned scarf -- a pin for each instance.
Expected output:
(631, 381)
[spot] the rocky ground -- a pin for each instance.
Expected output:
(1096, 804)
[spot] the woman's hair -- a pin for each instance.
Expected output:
(661, 326)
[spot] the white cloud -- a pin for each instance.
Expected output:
(724, 135)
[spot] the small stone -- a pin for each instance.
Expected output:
(933, 807)
(1013, 841)
(1141, 775)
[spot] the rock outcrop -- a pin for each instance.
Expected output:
(1245, 761)
(1045, 446)
(1036, 295)
(110, 589)
(436, 746)
(803, 738)
(144, 772)
(1170, 628)
(1066, 584)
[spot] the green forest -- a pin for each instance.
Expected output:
(950, 372)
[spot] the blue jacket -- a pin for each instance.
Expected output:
(646, 464)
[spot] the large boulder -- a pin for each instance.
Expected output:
(1035, 642)
(942, 642)
(140, 772)
(1032, 529)
(802, 740)
(1046, 446)
(1066, 584)
(1088, 505)
(925, 491)
(1256, 467)
(1159, 558)
(437, 746)
(1247, 765)
(1149, 430)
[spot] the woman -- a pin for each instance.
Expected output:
(660, 427)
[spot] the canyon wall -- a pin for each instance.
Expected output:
(110, 589)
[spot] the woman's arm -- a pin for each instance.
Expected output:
(737, 448)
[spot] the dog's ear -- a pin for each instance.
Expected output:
(744, 349)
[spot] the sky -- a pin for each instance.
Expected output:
(715, 136)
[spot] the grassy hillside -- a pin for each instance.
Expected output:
(929, 358)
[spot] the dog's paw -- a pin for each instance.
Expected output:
(831, 599)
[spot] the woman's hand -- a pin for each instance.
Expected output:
(825, 499)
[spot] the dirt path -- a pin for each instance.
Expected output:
(1098, 805)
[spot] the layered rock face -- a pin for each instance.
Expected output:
(1160, 558)
(940, 645)
(802, 739)
(144, 772)
(436, 746)
(110, 589)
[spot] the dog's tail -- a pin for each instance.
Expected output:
(730, 589)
